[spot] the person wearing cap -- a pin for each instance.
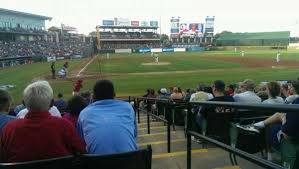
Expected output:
(218, 88)
(163, 94)
(201, 95)
(247, 94)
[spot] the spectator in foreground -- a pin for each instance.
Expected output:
(201, 94)
(108, 126)
(75, 105)
(284, 90)
(218, 88)
(273, 91)
(176, 95)
(247, 94)
(53, 112)
(60, 103)
(39, 135)
(5, 101)
(230, 90)
(292, 92)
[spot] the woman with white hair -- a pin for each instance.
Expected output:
(39, 135)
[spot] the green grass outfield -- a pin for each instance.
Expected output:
(131, 78)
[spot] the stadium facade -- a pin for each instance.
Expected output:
(275, 39)
(15, 25)
(121, 33)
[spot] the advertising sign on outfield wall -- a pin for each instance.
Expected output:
(179, 49)
(168, 49)
(144, 50)
(156, 50)
(123, 50)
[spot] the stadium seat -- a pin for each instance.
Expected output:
(67, 162)
(141, 159)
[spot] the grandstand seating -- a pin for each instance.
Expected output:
(129, 35)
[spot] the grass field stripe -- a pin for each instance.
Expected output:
(155, 127)
(155, 134)
(83, 69)
(179, 153)
(161, 142)
(229, 167)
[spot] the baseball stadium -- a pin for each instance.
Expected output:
(127, 96)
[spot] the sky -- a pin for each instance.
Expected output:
(230, 15)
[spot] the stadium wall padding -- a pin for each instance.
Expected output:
(123, 50)
(153, 50)
(179, 49)
(157, 50)
(196, 49)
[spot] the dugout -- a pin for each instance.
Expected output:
(254, 39)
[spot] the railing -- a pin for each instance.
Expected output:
(150, 101)
(258, 107)
(267, 108)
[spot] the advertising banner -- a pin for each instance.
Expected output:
(168, 49)
(174, 31)
(144, 50)
(144, 23)
(209, 24)
(156, 50)
(174, 27)
(122, 22)
(154, 23)
(108, 22)
(191, 30)
(179, 49)
(123, 50)
(135, 23)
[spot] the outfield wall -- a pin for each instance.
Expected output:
(152, 50)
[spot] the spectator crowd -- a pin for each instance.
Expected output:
(43, 127)
(42, 48)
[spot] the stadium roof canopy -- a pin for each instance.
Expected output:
(128, 27)
(7, 11)
(255, 35)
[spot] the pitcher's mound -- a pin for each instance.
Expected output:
(155, 64)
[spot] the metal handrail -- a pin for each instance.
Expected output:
(256, 107)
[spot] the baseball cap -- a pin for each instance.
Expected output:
(219, 84)
(163, 90)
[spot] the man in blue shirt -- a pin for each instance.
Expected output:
(108, 126)
(5, 101)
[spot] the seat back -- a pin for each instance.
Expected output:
(67, 162)
(140, 159)
(218, 123)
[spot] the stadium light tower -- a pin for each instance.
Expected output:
(98, 37)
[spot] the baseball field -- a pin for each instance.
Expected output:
(132, 74)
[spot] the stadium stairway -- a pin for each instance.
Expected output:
(202, 158)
